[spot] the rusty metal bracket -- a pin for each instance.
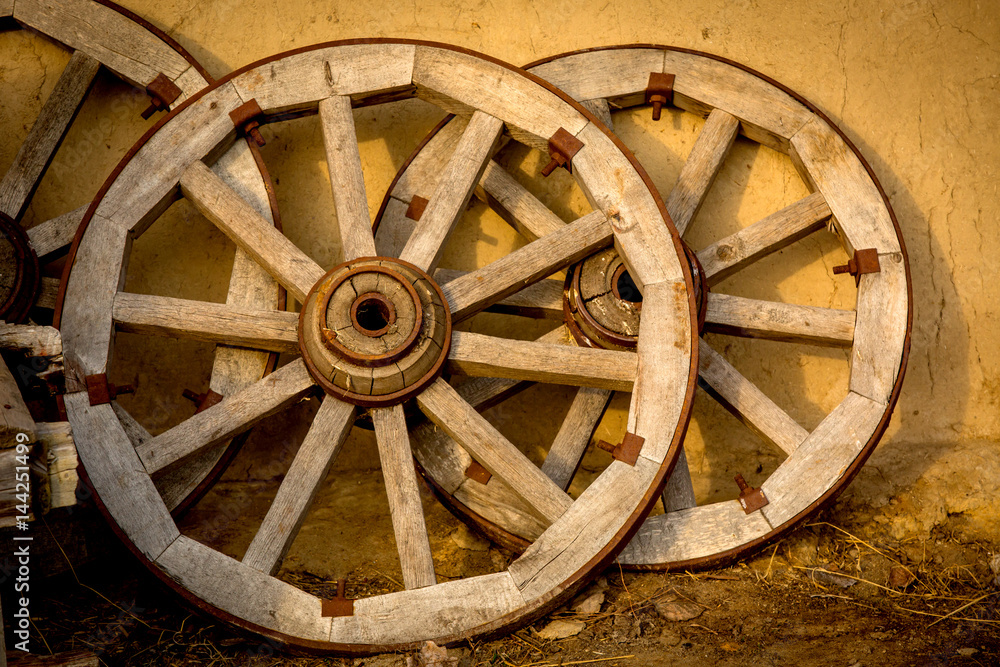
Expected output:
(751, 499)
(562, 147)
(416, 207)
(477, 473)
(340, 605)
(101, 391)
(163, 92)
(659, 91)
(245, 117)
(627, 451)
(202, 401)
(864, 261)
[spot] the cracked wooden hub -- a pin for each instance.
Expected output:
(375, 331)
(18, 272)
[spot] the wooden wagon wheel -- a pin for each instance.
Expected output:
(101, 34)
(846, 194)
(376, 331)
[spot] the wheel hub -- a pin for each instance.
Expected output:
(375, 331)
(602, 305)
(19, 274)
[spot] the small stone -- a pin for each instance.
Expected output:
(995, 566)
(678, 611)
(432, 655)
(730, 646)
(588, 604)
(466, 539)
(825, 576)
(670, 637)
(561, 629)
(899, 577)
(967, 652)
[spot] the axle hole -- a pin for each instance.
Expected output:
(372, 316)
(625, 288)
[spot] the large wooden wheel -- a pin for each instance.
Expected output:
(846, 197)
(99, 34)
(376, 331)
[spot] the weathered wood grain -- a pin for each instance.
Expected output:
(450, 610)
(244, 592)
(617, 74)
(880, 331)
(346, 178)
(61, 460)
(308, 470)
(748, 403)
(778, 230)
(614, 187)
(37, 341)
(696, 532)
(86, 323)
(702, 164)
(115, 470)
(586, 528)
(539, 300)
(480, 288)
(447, 409)
(828, 165)
(234, 415)
(665, 366)
(754, 318)
(300, 80)
(487, 356)
(14, 416)
(821, 459)
(48, 293)
(412, 542)
(678, 493)
(600, 108)
(452, 194)
(56, 233)
(39, 147)
(574, 434)
(513, 202)
(463, 82)
(250, 231)
(126, 48)
(211, 322)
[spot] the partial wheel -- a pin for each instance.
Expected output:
(602, 309)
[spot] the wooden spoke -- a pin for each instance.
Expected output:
(702, 165)
(753, 318)
(476, 290)
(234, 415)
(346, 177)
(56, 233)
(309, 468)
(678, 494)
(778, 230)
(497, 454)
(574, 435)
(448, 202)
(250, 231)
(487, 356)
(599, 107)
(747, 403)
(211, 322)
(46, 134)
(403, 490)
(512, 202)
(541, 300)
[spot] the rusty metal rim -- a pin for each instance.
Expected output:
(631, 525)
(725, 557)
(324, 295)
(365, 299)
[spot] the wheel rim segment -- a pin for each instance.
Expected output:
(101, 34)
(331, 78)
(819, 465)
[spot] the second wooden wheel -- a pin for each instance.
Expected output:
(376, 331)
(602, 309)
